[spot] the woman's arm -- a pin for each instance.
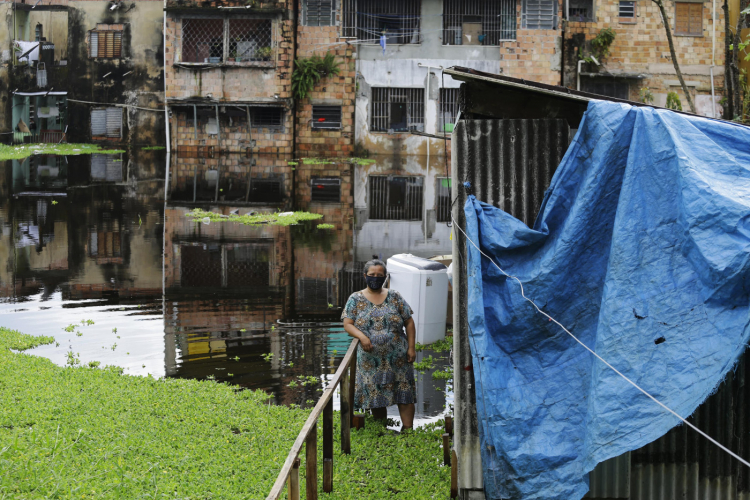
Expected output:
(411, 336)
(353, 331)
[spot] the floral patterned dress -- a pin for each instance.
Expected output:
(384, 377)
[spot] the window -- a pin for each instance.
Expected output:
(539, 14)
(270, 117)
(581, 10)
(448, 108)
(319, 13)
(627, 10)
(326, 117)
(395, 197)
(38, 32)
(397, 109)
(216, 40)
(443, 192)
(106, 168)
(367, 20)
(265, 190)
(688, 19)
(478, 22)
(105, 42)
(611, 87)
(326, 189)
(106, 123)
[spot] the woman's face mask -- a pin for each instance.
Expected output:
(375, 282)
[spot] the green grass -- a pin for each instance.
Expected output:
(84, 433)
(25, 150)
(273, 218)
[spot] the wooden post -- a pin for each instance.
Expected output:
(328, 447)
(454, 474)
(346, 418)
(352, 383)
(359, 421)
(449, 425)
(311, 463)
(294, 481)
(446, 449)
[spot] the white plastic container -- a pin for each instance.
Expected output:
(423, 284)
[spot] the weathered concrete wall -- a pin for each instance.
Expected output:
(642, 47)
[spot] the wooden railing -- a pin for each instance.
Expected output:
(289, 475)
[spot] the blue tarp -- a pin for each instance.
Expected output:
(642, 250)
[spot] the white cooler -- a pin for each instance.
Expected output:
(423, 283)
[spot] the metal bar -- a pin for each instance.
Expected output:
(311, 420)
(328, 447)
(293, 483)
(311, 464)
(352, 384)
(218, 128)
(346, 414)
(195, 181)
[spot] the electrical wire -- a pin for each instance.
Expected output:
(117, 105)
(647, 394)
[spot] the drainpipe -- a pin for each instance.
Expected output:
(713, 58)
(166, 108)
(578, 74)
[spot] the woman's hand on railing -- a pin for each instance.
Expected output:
(355, 332)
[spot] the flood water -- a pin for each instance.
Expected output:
(102, 242)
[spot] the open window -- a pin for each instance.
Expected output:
(105, 42)
(267, 117)
(396, 197)
(478, 22)
(397, 109)
(581, 11)
(399, 21)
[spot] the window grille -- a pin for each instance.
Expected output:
(581, 10)
(326, 117)
(478, 22)
(443, 199)
(314, 294)
(397, 109)
(269, 117)
(627, 9)
(106, 122)
(106, 168)
(448, 108)
(610, 87)
(105, 44)
(326, 189)
(367, 20)
(396, 198)
(539, 14)
(214, 40)
(688, 19)
(319, 13)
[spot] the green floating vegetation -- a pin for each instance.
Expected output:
(274, 218)
(153, 148)
(442, 345)
(326, 226)
(333, 161)
(89, 433)
(25, 150)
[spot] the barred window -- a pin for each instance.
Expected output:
(326, 117)
(478, 22)
(397, 109)
(268, 117)
(398, 21)
(627, 9)
(448, 108)
(443, 192)
(581, 10)
(215, 40)
(319, 13)
(326, 189)
(539, 14)
(106, 123)
(105, 42)
(395, 197)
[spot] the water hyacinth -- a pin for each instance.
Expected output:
(25, 150)
(272, 218)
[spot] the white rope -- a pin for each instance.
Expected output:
(722, 447)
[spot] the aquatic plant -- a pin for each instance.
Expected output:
(277, 218)
(327, 226)
(446, 374)
(425, 364)
(153, 148)
(25, 150)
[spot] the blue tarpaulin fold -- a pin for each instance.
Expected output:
(642, 250)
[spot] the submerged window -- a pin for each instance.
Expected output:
(688, 18)
(106, 123)
(397, 109)
(319, 13)
(265, 190)
(478, 22)
(105, 42)
(326, 117)
(215, 40)
(397, 20)
(396, 197)
(539, 14)
(326, 189)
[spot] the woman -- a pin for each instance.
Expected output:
(385, 376)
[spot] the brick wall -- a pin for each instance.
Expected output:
(534, 55)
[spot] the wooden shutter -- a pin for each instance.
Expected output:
(114, 122)
(109, 44)
(696, 19)
(688, 18)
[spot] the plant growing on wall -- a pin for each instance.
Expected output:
(673, 101)
(600, 45)
(646, 96)
(309, 71)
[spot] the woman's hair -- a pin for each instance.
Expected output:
(375, 262)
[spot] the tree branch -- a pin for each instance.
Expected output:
(665, 20)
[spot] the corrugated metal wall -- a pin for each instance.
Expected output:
(509, 164)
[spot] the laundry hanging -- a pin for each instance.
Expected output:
(642, 250)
